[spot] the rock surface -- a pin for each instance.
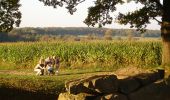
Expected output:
(81, 96)
(159, 90)
(143, 86)
(113, 96)
(128, 85)
(106, 85)
(93, 85)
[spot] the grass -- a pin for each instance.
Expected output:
(24, 84)
(47, 87)
(42, 86)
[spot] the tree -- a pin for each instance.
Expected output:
(9, 15)
(100, 14)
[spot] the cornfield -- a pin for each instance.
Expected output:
(82, 54)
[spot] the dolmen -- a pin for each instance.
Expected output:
(143, 86)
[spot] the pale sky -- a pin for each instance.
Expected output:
(35, 14)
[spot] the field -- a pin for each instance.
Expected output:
(78, 59)
(25, 55)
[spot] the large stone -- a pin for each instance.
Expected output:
(91, 84)
(114, 96)
(68, 84)
(128, 85)
(106, 85)
(148, 78)
(81, 80)
(81, 96)
(66, 96)
(159, 90)
(80, 88)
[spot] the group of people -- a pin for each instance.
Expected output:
(48, 66)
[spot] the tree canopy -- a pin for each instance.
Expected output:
(97, 14)
(100, 12)
(10, 15)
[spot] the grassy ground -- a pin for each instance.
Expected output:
(24, 84)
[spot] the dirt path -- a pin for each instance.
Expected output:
(121, 73)
(15, 72)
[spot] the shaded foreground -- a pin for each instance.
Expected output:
(144, 86)
(16, 85)
(19, 87)
(16, 94)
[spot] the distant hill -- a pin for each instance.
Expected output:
(35, 34)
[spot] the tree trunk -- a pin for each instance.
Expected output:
(165, 33)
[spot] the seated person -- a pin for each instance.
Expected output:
(39, 68)
(48, 60)
(50, 69)
(56, 64)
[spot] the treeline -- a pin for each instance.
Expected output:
(53, 33)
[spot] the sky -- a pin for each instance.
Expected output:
(35, 14)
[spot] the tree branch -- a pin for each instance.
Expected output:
(159, 22)
(158, 3)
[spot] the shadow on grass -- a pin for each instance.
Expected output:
(17, 94)
(83, 72)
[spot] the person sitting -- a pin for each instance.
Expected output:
(56, 64)
(50, 69)
(48, 60)
(39, 68)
